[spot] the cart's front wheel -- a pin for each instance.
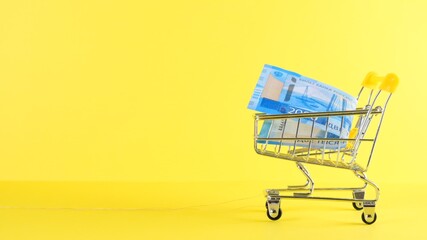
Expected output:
(358, 206)
(274, 216)
(369, 219)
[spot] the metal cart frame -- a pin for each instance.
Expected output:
(343, 158)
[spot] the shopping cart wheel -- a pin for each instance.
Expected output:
(274, 216)
(369, 219)
(358, 206)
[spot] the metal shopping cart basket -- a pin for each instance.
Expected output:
(364, 133)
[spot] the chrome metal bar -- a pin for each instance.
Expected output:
(311, 137)
(307, 175)
(364, 126)
(317, 114)
(328, 163)
(326, 198)
(339, 142)
(378, 131)
(371, 110)
(283, 132)
(296, 187)
(360, 92)
(326, 135)
(264, 147)
(364, 178)
(370, 96)
(296, 136)
(360, 175)
(326, 139)
(256, 133)
(303, 188)
(362, 131)
(339, 189)
(318, 153)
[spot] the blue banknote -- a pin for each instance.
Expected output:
(279, 91)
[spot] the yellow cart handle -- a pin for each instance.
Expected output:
(388, 83)
(372, 80)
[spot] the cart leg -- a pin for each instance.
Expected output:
(364, 178)
(358, 194)
(369, 216)
(273, 205)
(309, 182)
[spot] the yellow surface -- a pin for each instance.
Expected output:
(216, 210)
(111, 92)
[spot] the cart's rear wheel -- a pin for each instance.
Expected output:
(275, 216)
(369, 219)
(358, 206)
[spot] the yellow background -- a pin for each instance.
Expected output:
(100, 93)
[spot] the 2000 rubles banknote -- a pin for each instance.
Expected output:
(279, 91)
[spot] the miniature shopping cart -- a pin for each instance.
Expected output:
(347, 155)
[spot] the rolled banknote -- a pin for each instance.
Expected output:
(279, 91)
